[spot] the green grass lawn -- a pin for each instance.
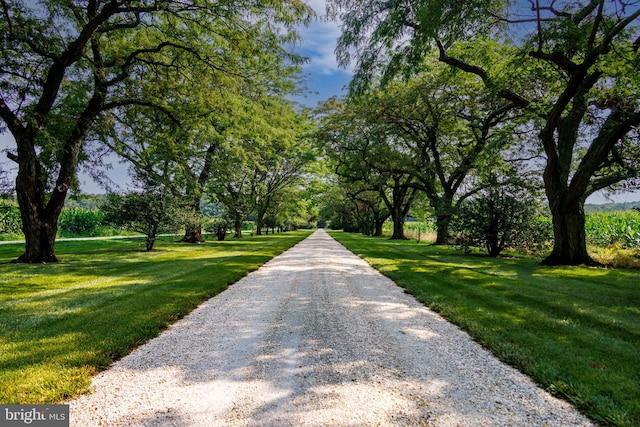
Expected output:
(574, 330)
(61, 323)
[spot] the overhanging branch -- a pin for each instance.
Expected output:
(454, 62)
(123, 103)
(12, 156)
(10, 119)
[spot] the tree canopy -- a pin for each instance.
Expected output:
(573, 71)
(64, 65)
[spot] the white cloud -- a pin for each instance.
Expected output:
(319, 40)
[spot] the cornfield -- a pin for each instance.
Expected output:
(80, 221)
(620, 229)
(72, 222)
(603, 229)
(10, 222)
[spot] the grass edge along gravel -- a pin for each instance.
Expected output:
(573, 330)
(62, 323)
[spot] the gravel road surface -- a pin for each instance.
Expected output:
(315, 337)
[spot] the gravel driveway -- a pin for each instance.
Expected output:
(315, 337)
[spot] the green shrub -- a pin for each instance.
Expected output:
(500, 218)
(149, 212)
(218, 226)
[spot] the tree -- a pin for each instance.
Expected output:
(230, 109)
(398, 194)
(452, 128)
(156, 146)
(390, 38)
(263, 154)
(282, 155)
(220, 226)
(582, 60)
(149, 212)
(64, 64)
(365, 152)
(269, 179)
(290, 209)
(502, 215)
(354, 207)
(336, 208)
(232, 191)
(370, 210)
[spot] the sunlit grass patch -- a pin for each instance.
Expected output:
(617, 257)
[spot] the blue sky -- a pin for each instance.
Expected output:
(324, 77)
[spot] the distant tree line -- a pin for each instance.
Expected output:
(611, 207)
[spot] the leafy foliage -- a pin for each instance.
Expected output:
(390, 38)
(503, 217)
(262, 159)
(94, 60)
(574, 73)
(614, 228)
(219, 225)
(148, 212)
(10, 222)
(368, 158)
(435, 132)
(80, 221)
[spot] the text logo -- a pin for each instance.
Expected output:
(34, 415)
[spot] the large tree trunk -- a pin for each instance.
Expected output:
(398, 231)
(260, 221)
(443, 220)
(40, 235)
(237, 224)
(378, 222)
(193, 233)
(398, 223)
(443, 206)
(401, 198)
(569, 246)
(262, 208)
(39, 218)
(193, 228)
(566, 193)
(150, 241)
(378, 228)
